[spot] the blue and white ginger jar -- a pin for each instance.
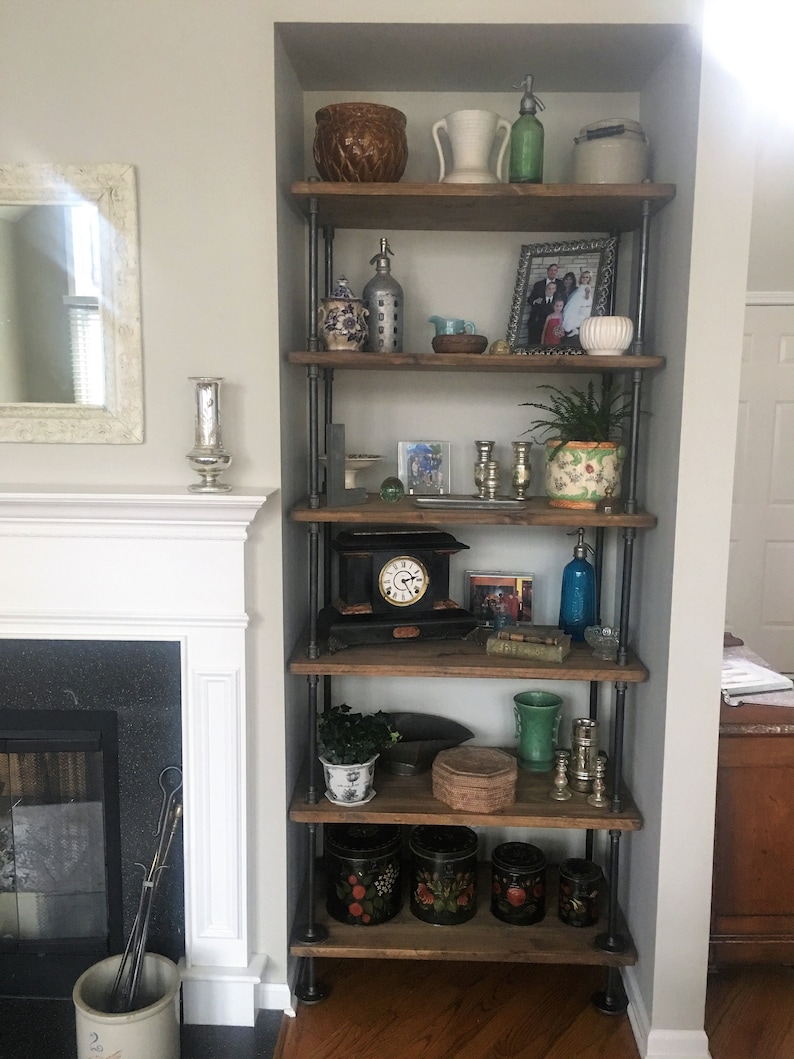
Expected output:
(343, 319)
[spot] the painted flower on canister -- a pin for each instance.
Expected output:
(369, 896)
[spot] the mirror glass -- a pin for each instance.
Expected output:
(70, 336)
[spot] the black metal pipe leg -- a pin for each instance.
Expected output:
(612, 1000)
(310, 931)
(612, 941)
(309, 990)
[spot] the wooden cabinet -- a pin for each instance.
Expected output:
(752, 915)
(409, 800)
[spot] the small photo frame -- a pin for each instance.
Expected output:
(558, 285)
(486, 592)
(424, 467)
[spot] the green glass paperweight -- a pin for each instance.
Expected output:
(392, 490)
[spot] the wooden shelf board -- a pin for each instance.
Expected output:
(409, 800)
(535, 511)
(467, 362)
(459, 658)
(483, 938)
(529, 208)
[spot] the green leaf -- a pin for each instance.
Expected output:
(578, 415)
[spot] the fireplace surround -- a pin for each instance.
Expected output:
(153, 565)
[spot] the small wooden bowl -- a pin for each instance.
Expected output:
(460, 343)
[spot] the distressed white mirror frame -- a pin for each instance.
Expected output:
(112, 189)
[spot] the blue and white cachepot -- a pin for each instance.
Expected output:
(343, 319)
(349, 784)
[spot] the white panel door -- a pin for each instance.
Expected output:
(760, 606)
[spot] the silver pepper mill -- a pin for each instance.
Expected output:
(584, 754)
(484, 450)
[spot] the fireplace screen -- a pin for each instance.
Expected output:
(58, 794)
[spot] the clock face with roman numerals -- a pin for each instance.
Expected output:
(403, 580)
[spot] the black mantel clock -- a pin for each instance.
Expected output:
(393, 584)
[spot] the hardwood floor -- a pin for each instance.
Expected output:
(750, 1013)
(402, 1009)
(417, 1009)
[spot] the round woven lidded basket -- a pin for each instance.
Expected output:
(360, 143)
(475, 779)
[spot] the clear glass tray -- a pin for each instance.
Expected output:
(467, 503)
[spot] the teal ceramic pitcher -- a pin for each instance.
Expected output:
(537, 716)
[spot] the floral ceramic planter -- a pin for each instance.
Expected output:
(349, 784)
(579, 473)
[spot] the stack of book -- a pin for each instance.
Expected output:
(535, 643)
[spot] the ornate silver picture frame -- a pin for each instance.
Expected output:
(557, 286)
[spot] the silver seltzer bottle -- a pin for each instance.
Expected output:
(383, 297)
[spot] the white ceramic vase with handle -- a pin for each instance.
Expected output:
(471, 135)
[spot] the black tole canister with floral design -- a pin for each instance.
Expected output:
(443, 874)
(580, 889)
(362, 863)
(518, 883)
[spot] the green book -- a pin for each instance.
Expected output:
(531, 652)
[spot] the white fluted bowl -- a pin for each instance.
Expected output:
(606, 336)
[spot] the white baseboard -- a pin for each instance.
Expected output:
(222, 996)
(276, 996)
(769, 297)
(677, 1044)
(660, 1044)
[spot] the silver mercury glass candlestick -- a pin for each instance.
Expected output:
(490, 484)
(522, 472)
(208, 457)
(560, 792)
(599, 798)
(484, 450)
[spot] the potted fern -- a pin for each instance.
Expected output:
(349, 745)
(584, 454)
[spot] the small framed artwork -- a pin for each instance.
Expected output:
(558, 285)
(424, 467)
(488, 593)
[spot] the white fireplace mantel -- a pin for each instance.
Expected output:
(155, 565)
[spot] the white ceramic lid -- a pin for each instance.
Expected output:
(628, 124)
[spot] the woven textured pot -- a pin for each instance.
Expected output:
(360, 143)
(476, 779)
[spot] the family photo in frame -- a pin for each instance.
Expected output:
(488, 594)
(424, 467)
(558, 285)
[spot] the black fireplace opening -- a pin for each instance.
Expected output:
(86, 729)
(60, 846)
